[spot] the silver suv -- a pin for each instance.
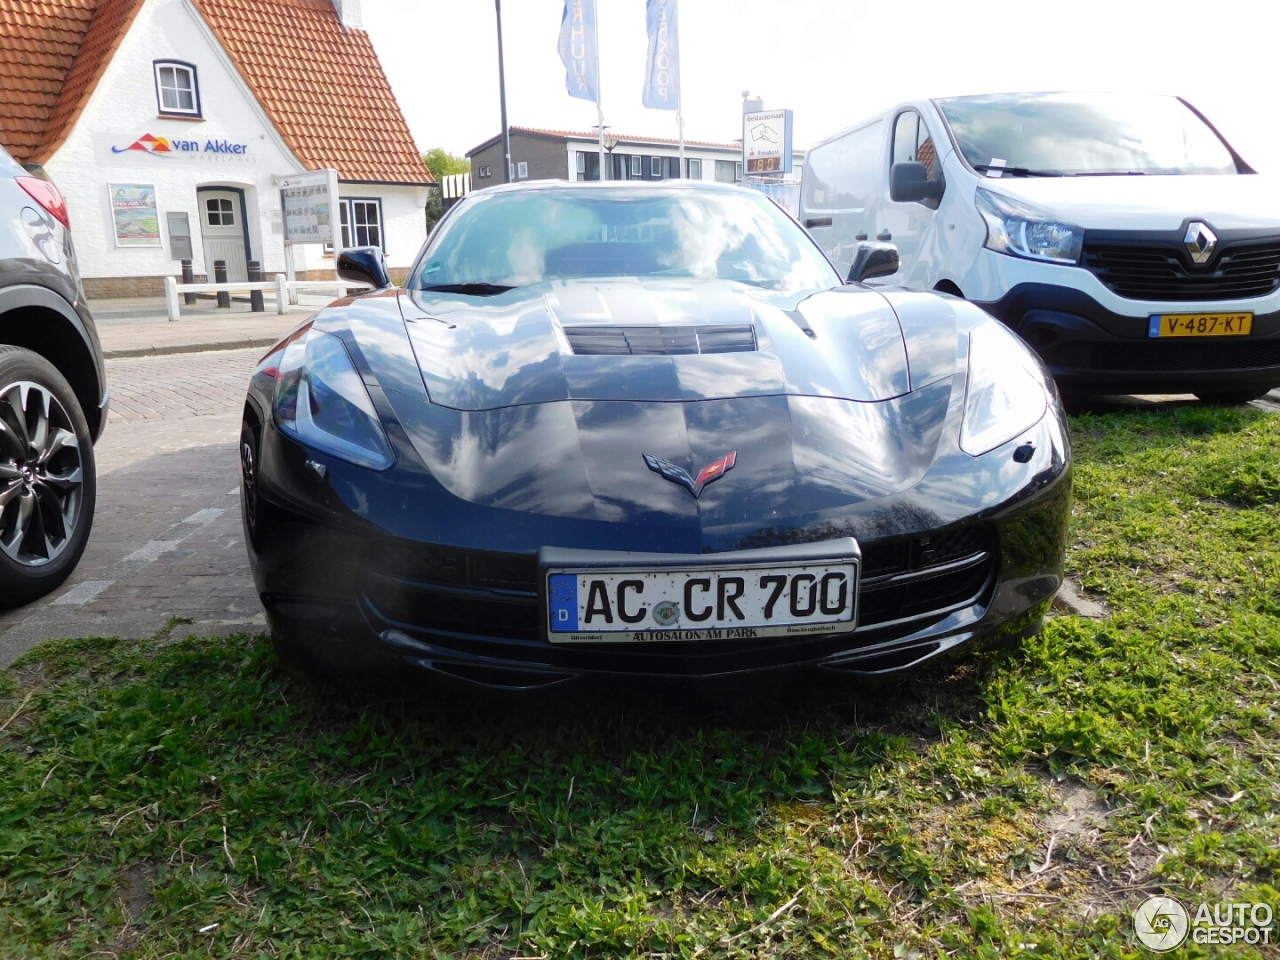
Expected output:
(53, 391)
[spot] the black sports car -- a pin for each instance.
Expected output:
(647, 430)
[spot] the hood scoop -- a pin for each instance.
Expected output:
(660, 341)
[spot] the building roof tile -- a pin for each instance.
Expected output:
(320, 83)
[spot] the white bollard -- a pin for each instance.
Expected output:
(282, 294)
(171, 297)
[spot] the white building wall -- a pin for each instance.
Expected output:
(123, 108)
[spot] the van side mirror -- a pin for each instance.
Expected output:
(364, 265)
(872, 259)
(909, 183)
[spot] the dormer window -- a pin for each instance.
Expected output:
(176, 91)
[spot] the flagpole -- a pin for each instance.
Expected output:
(502, 95)
(595, 39)
(680, 102)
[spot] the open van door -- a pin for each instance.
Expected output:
(907, 218)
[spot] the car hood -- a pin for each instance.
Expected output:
(1149, 202)
(661, 341)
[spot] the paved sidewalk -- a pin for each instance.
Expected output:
(139, 327)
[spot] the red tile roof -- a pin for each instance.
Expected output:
(321, 84)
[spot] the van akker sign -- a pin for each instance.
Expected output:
(164, 147)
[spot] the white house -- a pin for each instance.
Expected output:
(156, 117)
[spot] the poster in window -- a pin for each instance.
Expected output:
(133, 209)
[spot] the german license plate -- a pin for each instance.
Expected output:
(701, 603)
(1200, 325)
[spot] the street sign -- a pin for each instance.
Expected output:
(310, 205)
(766, 142)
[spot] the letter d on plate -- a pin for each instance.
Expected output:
(562, 597)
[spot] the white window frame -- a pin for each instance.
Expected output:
(637, 166)
(690, 167)
(190, 70)
(655, 166)
(522, 170)
(348, 225)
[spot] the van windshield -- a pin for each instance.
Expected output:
(513, 238)
(1074, 134)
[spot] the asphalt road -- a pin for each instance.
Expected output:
(166, 536)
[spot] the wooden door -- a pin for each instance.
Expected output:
(222, 227)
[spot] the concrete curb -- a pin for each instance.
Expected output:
(170, 349)
(1070, 600)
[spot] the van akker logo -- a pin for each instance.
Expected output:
(163, 146)
(1162, 924)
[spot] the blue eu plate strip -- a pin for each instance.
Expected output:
(1153, 328)
(562, 597)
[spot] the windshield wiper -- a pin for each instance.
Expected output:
(476, 289)
(1110, 173)
(1016, 171)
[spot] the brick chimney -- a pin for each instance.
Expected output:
(349, 14)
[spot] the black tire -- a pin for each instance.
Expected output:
(60, 515)
(1231, 398)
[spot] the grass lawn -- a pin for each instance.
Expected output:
(194, 798)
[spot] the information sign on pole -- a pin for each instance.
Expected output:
(766, 142)
(310, 205)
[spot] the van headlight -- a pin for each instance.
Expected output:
(322, 402)
(1005, 391)
(1022, 231)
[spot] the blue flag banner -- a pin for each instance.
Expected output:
(578, 49)
(662, 68)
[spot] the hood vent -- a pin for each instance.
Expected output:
(664, 341)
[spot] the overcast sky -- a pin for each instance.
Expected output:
(831, 61)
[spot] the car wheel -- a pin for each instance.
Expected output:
(47, 481)
(1231, 398)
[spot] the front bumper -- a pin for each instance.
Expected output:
(962, 570)
(1088, 348)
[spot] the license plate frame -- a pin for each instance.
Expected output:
(1221, 323)
(666, 578)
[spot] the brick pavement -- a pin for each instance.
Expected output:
(138, 327)
(166, 538)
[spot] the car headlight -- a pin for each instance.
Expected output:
(1022, 231)
(321, 401)
(1004, 394)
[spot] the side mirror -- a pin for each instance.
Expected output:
(873, 260)
(364, 265)
(909, 183)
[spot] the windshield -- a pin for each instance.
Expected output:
(512, 239)
(1073, 134)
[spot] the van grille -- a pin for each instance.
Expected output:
(1161, 272)
(661, 341)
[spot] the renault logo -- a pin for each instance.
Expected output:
(1200, 241)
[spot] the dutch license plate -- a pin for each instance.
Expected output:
(701, 603)
(1200, 325)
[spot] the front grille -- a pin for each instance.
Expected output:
(1163, 272)
(496, 595)
(1142, 356)
(661, 341)
(926, 577)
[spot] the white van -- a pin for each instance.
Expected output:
(1120, 235)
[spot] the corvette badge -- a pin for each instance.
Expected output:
(712, 471)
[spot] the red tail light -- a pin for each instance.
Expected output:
(48, 196)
